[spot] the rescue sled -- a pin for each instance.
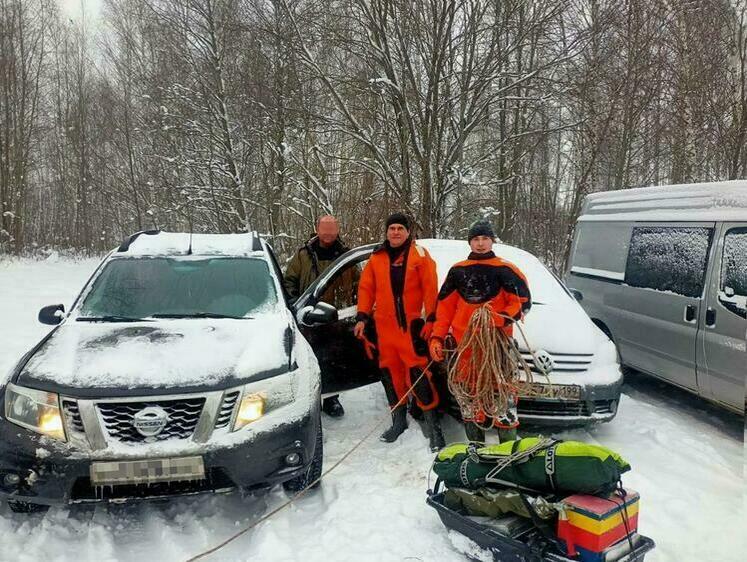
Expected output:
(511, 538)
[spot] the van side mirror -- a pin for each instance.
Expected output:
(576, 294)
(322, 313)
(52, 314)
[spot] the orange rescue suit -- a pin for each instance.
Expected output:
(480, 279)
(396, 293)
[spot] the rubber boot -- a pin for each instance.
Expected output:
(433, 427)
(399, 414)
(399, 424)
(474, 432)
(332, 407)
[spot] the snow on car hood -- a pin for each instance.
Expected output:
(559, 328)
(84, 359)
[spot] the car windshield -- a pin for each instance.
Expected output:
(176, 288)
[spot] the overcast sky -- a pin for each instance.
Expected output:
(72, 8)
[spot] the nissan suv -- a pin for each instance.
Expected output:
(181, 368)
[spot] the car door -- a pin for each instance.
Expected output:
(342, 358)
(721, 342)
(661, 299)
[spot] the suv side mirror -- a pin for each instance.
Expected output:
(576, 294)
(322, 313)
(51, 314)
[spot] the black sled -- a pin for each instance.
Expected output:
(522, 541)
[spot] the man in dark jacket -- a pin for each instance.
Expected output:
(309, 262)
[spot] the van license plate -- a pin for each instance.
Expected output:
(147, 471)
(552, 391)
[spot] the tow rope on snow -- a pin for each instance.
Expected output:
(301, 493)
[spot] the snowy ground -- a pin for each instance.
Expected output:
(687, 460)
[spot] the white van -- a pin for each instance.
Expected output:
(663, 271)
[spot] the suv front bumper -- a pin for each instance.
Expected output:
(50, 475)
(273, 449)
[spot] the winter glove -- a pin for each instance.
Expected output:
(436, 348)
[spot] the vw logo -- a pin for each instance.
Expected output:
(150, 421)
(543, 361)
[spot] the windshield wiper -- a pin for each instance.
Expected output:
(200, 315)
(111, 318)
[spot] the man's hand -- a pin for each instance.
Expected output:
(359, 329)
(436, 348)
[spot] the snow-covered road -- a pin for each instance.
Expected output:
(687, 460)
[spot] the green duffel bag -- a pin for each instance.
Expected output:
(536, 463)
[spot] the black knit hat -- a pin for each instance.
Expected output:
(398, 218)
(481, 227)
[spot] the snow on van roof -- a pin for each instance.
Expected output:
(714, 201)
(177, 243)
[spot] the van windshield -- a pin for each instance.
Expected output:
(179, 288)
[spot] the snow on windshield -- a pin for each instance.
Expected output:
(142, 287)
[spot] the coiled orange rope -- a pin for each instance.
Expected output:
(484, 374)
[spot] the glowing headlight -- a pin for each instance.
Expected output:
(264, 397)
(252, 408)
(35, 410)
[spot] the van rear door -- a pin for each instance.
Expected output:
(721, 338)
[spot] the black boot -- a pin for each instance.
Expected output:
(332, 407)
(399, 424)
(433, 427)
(474, 432)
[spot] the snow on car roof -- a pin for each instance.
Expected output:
(177, 243)
(714, 201)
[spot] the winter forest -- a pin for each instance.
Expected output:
(228, 115)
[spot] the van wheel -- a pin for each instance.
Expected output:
(313, 472)
(26, 507)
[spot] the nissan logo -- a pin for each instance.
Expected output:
(543, 361)
(150, 421)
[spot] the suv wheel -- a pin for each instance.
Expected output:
(25, 507)
(313, 472)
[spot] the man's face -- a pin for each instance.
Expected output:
(481, 244)
(396, 235)
(327, 231)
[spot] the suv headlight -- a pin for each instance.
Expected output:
(35, 410)
(259, 398)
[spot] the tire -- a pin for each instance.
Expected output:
(314, 471)
(25, 507)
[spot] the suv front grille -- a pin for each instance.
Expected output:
(117, 418)
(226, 409)
(72, 416)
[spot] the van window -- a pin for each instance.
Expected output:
(601, 249)
(671, 259)
(733, 281)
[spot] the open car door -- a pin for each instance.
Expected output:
(326, 313)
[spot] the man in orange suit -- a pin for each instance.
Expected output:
(482, 278)
(397, 284)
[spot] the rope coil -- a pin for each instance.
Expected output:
(485, 372)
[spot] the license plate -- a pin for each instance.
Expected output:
(147, 471)
(552, 391)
